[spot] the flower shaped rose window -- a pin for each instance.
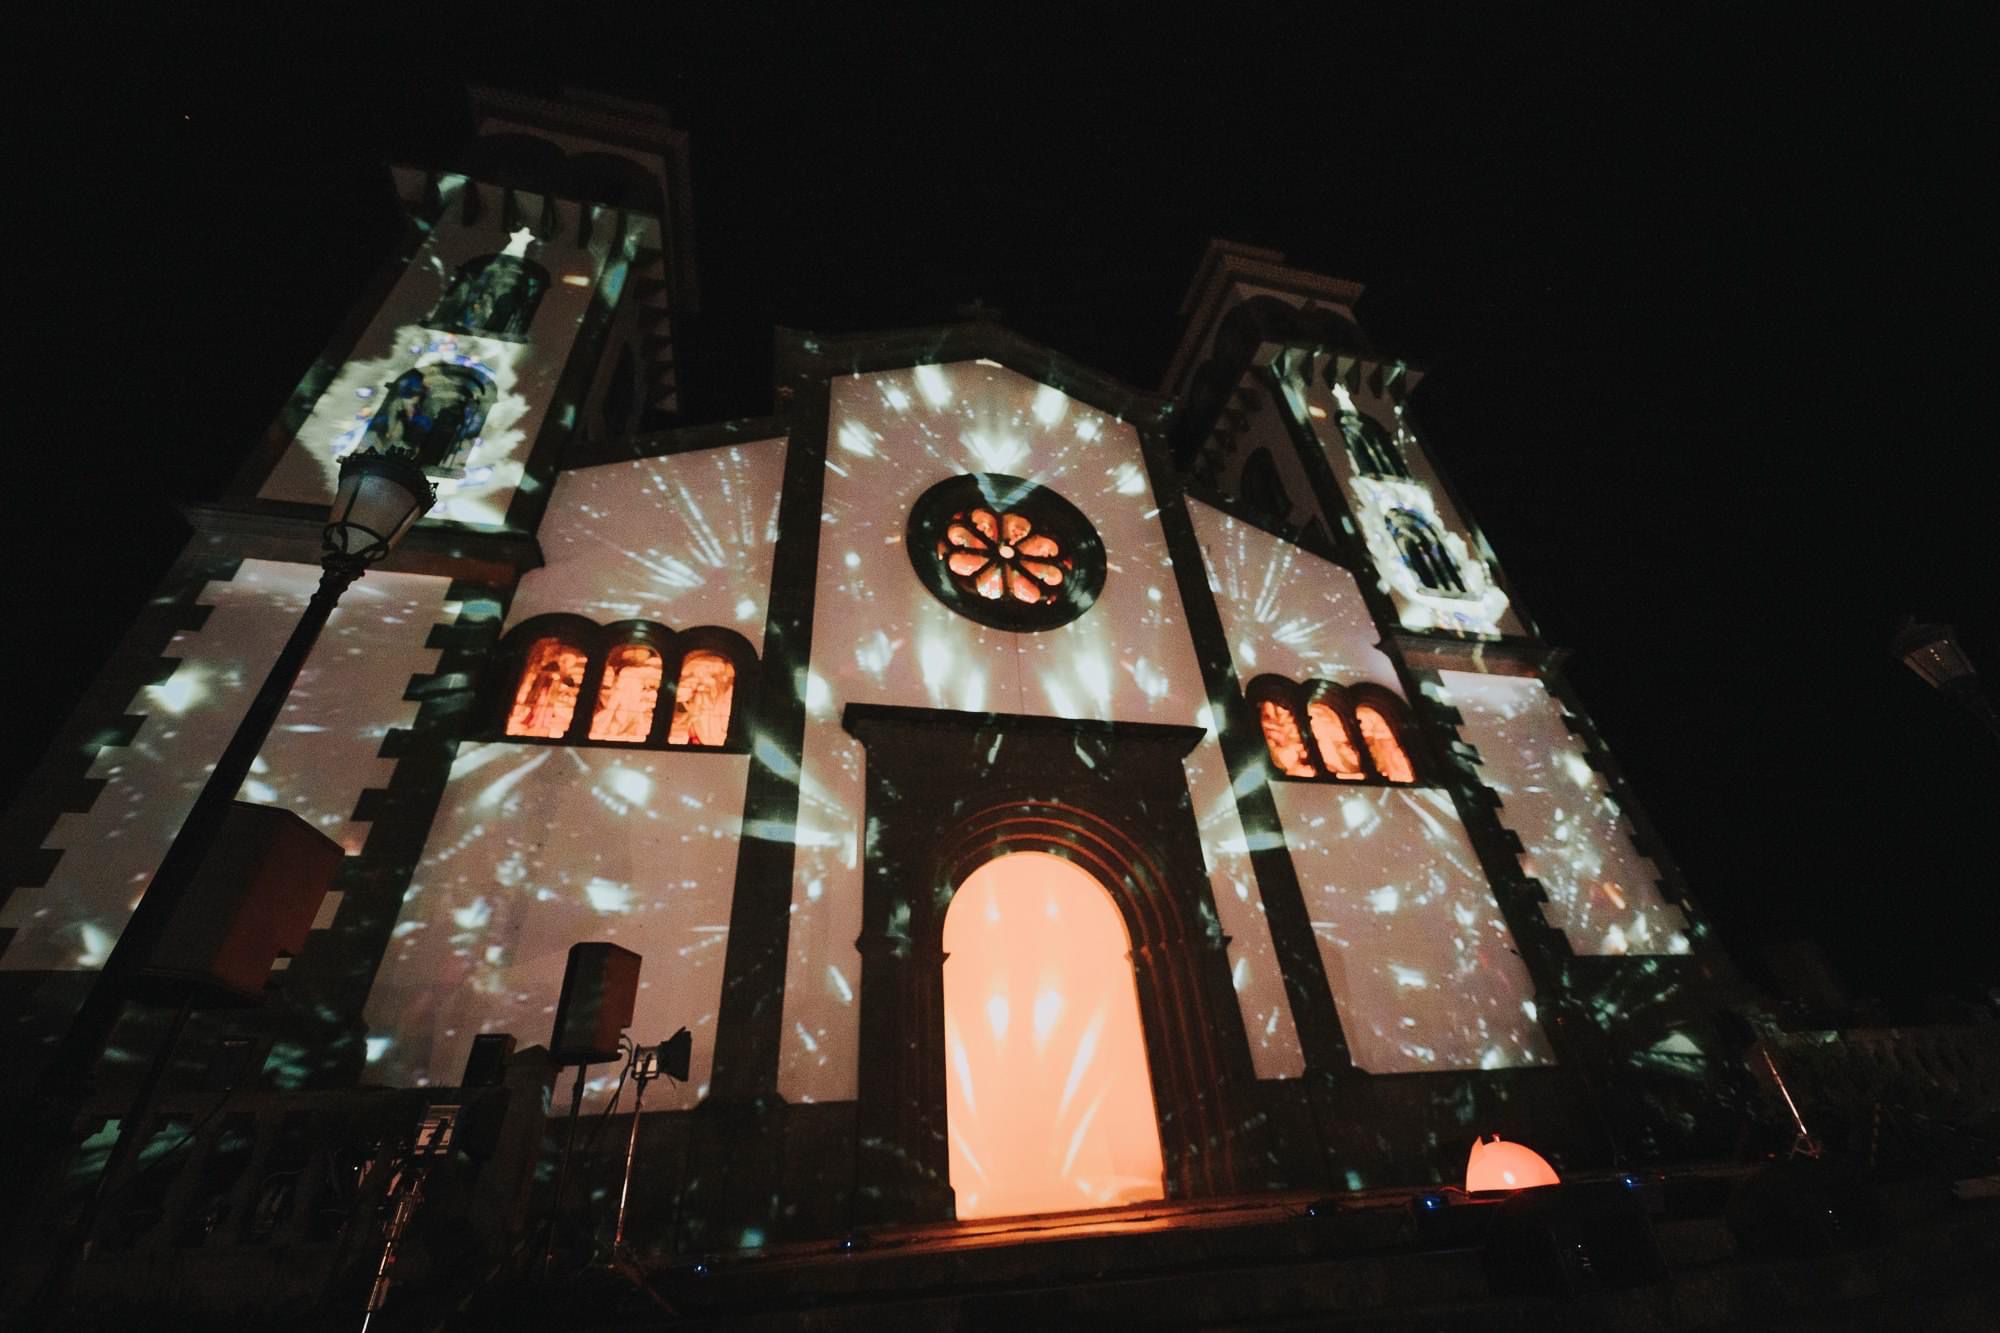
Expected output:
(1002, 555)
(1006, 552)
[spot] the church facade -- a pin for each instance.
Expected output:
(1032, 792)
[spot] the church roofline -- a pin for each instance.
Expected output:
(804, 356)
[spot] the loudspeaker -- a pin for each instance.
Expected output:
(1565, 1240)
(252, 900)
(486, 1064)
(599, 987)
(675, 1052)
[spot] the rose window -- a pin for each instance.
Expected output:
(1006, 552)
(1003, 556)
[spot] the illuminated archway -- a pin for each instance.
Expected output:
(1048, 1096)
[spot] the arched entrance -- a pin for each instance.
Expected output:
(1048, 1097)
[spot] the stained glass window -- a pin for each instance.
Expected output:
(626, 698)
(1005, 552)
(702, 700)
(1329, 733)
(1001, 555)
(1383, 747)
(1282, 739)
(545, 699)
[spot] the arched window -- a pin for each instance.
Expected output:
(494, 297)
(1329, 732)
(1385, 749)
(1284, 741)
(702, 700)
(1311, 730)
(1424, 551)
(545, 695)
(627, 694)
(433, 414)
(1374, 452)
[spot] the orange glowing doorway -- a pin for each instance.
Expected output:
(1047, 1092)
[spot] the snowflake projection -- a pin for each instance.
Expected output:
(893, 624)
(1424, 969)
(1575, 841)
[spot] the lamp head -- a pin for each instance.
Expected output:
(1932, 652)
(379, 499)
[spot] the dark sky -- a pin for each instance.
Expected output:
(1706, 305)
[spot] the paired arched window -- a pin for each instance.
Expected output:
(1375, 453)
(434, 414)
(1321, 732)
(494, 297)
(1423, 550)
(565, 678)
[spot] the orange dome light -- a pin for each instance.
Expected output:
(1500, 1165)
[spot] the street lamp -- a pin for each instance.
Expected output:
(379, 498)
(1933, 652)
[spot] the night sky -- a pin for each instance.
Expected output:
(1706, 310)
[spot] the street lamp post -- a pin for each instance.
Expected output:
(1932, 651)
(378, 499)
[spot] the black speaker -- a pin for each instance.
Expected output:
(1564, 1240)
(253, 899)
(486, 1063)
(599, 988)
(675, 1052)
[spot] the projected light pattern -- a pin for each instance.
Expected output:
(1439, 578)
(1047, 1095)
(1424, 971)
(533, 849)
(486, 469)
(321, 754)
(682, 540)
(1576, 843)
(1286, 611)
(880, 636)
(536, 847)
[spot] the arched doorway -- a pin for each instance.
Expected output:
(1048, 1096)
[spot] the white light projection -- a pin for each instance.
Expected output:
(1602, 893)
(321, 754)
(683, 540)
(1286, 611)
(1423, 968)
(524, 373)
(537, 847)
(1483, 607)
(880, 637)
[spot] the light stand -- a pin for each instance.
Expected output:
(1933, 652)
(405, 1191)
(668, 1059)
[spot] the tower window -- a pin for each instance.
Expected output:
(627, 695)
(1424, 552)
(702, 700)
(1310, 730)
(1373, 451)
(433, 414)
(493, 297)
(545, 698)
